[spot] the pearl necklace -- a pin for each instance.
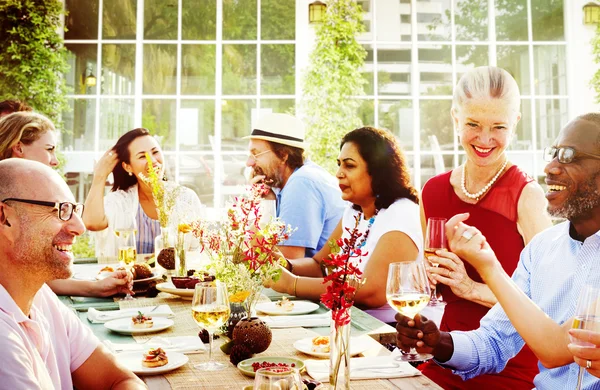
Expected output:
(477, 195)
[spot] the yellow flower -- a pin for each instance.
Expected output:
(239, 297)
(184, 228)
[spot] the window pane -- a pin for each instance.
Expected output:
(435, 66)
(197, 172)
(81, 20)
(471, 20)
(524, 134)
(436, 125)
(547, 20)
(118, 19)
(433, 20)
(278, 73)
(469, 57)
(79, 124)
(397, 117)
(515, 59)
(159, 116)
(285, 106)
(160, 19)
(118, 69)
(523, 160)
(239, 19)
(511, 20)
(160, 69)
(116, 118)
(239, 69)
(366, 112)
(236, 121)
(392, 21)
(367, 21)
(552, 116)
(196, 124)
(368, 71)
(198, 69)
(394, 70)
(198, 19)
(550, 70)
(83, 68)
(278, 19)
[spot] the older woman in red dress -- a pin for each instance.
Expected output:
(504, 203)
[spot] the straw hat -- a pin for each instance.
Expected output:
(279, 128)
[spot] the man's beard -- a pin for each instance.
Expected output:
(272, 179)
(581, 202)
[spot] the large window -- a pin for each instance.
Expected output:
(417, 50)
(195, 73)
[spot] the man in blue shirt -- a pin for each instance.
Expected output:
(538, 304)
(308, 198)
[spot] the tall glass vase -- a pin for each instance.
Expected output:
(339, 355)
(165, 250)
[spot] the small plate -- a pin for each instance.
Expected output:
(154, 276)
(169, 287)
(133, 361)
(124, 326)
(245, 366)
(300, 307)
(358, 345)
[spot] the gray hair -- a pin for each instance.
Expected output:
(486, 82)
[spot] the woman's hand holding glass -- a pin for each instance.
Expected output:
(451, 272)
(587, 318)
(408, 293)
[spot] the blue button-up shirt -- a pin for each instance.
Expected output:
(552, 271)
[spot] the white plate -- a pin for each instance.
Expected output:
(358, 345)
(125, 326)
(300, 307)
(133, 361)
(170, 288)
(154, 276)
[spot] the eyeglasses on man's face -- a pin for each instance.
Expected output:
(255, 156)
(565, 154)
(65, 209)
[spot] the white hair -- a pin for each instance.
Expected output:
(486, 82)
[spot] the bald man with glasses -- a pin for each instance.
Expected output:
(43, 344)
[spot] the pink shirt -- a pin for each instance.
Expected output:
(42, 351)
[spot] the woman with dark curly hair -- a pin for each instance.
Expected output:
(374, 178)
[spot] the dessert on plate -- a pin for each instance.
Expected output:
(105, 272)
(155, 357)
(320, 344)
(285, 304)
(140, 321)
(141, 271)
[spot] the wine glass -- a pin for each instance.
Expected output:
(210, 310)
(272, 378)
(587, 317)
(268, 210)
(435, 239)
(126, 230)
(408, 293)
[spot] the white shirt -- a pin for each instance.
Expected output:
(41, 352)
(402, 216)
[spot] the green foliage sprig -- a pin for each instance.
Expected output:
(332, 81)
(164, 196)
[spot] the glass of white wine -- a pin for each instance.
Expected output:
(126, 231)
(408, 293)
(210, 310)
(587, 317)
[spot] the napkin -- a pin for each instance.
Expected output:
(375, 367)
(99, 317)
(182, 344)
(305, 321)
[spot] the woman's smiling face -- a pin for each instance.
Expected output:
(485, 128)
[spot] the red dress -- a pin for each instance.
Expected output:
(496, 217)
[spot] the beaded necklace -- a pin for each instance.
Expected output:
(478, 195)
(363, 240)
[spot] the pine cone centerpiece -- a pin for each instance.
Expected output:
(253, 333)
(238, 353)
(166, 258)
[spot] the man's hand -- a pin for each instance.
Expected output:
(262, 178)
(419, 333)
(120, 281)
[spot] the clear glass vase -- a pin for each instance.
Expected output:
(339, 355)
(165, 250)
(181, 254)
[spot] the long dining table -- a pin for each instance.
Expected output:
(187, 377)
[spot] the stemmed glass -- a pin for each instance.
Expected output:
(408, 293)
(277, 378)
(587, 317)
(268, 211)
(435, 239)
(210, 310)
(126, 230)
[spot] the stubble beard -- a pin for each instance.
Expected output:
(579, 204)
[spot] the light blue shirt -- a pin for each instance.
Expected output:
(552, 271)
(148, 229)
(311, 202)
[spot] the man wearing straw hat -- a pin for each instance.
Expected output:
(308, 198)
